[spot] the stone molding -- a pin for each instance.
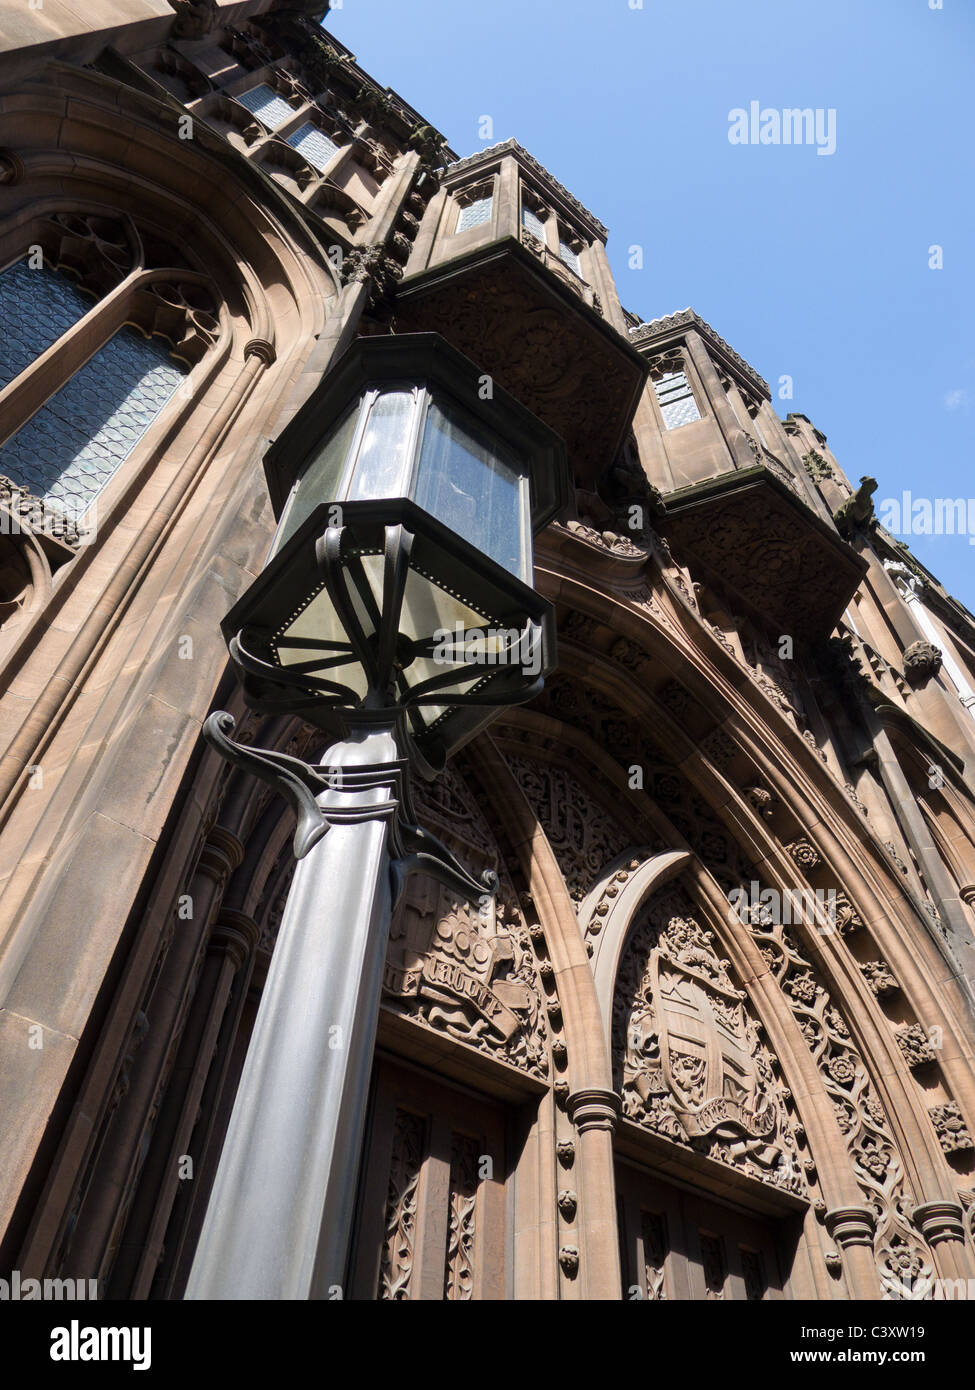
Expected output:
(593, 1109)
(531, 166)
(851, 1226)
(940, 1220)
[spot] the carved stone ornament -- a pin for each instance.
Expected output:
(451, 969)
(569, 1260)
(398, 1253)
(951, 1129)
(605, 540)
(880, 978)
(915, 1044)
(691, 1062)
(761, 800)
(922, 660)
(857, 513)
(816, 466)
(568, 1202)
(805, 856)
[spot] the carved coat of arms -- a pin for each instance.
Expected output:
(694, 1067)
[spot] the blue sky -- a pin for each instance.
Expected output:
(812, 266)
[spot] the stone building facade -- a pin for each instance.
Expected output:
(717, 1041)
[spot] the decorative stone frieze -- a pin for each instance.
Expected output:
(878, 1169)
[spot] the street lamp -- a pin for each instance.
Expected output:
(394, 612)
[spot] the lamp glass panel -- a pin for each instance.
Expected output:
(321, 479)
(318, 621)
(477, 489)
(382, 468)
(429, 610)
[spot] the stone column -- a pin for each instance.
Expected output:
(734, 435)
(231, 943)
(594, 1113)
(853, 1230)
(941, 1222)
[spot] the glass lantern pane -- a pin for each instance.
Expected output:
(430, 611)
(321, 480)
(382, 466)
(467, 483)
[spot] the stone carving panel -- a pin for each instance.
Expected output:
(691, 1063)
(398, 1254)
(467, 970)
(462, 1215)
(901, 1257)
(468, 975)
(583, 837)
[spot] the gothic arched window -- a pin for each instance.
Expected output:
(102, 324)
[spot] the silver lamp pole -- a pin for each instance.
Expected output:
(385, 624)
(278, 1221)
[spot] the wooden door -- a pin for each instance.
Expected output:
(431, 1221)
(676, 1245)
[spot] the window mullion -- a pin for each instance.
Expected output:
(28, 391)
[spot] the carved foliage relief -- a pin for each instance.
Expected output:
(583, 837)
(398, 1253)
(690, 1060)
(900, 1255)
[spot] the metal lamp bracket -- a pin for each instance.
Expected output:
(413, 849)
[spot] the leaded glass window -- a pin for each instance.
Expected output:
(533, 223)
(677, 403)
(571, 258)
(266, 105)
(69, 449)
(314, 145)
(36, 307)
(475, 214)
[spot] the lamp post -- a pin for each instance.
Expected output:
(395, 613)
